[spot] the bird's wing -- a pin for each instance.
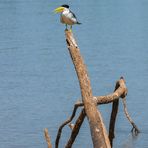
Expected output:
(73, 16)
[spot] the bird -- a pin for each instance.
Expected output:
(67, 16)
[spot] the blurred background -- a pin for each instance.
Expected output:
(38, 84)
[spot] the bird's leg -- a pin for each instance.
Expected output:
(71, 28)
(66, 27)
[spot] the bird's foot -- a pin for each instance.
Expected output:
(70, 30)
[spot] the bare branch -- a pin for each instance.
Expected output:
(65, 123)
(114, 112)
(135, 129)
(75, 129)
(47, 138)
(90, 102)
(97, 127)
(112, 121)
(120, 90)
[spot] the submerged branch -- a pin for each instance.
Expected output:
(47, 137)
(75, 129)
(120, 90)
(65, 123)
(90, 102)
(97, 127)
(112, 121)
(135, 129)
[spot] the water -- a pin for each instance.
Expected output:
(38, 84)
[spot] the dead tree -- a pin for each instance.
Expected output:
(89, 103)
(97, 128)
(120, 92)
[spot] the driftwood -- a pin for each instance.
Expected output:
(75, 129)
(65, 123)
(114, 112)
(97, 128)
(135, 129)
(120, 92)
(112, 121)
(120, 89)
(89, 103)
(47, 138)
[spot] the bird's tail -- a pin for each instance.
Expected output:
(79, 23)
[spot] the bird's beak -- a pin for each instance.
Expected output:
(59, 9)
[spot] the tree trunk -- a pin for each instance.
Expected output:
(97, 128)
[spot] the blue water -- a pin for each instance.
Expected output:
(38, 84)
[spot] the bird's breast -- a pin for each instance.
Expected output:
(67, 20)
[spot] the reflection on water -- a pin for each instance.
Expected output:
(37, 78)
(129, 141)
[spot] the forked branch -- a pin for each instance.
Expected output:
(120, 90)
(97, 127)
(65, 123)
(90, 102)
(75, 129)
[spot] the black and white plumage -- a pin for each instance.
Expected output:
(67, 16)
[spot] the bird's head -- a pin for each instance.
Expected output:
(61, 8)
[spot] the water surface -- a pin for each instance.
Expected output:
(38, 84)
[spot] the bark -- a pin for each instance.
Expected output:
(97, 128)
(120, 91)
(112, 121)
(89, 102)
(114, 112)
(47, 138)
(65, 123)
(75, 129)
(135, 129)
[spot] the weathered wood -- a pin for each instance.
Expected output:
(75, 129)
(112, 121)
(90, 102)
(120, 91)
(47, 138)
(97, 128)
(63, 124)
(114, 112)
(135, 129)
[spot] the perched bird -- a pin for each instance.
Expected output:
(67, 16)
